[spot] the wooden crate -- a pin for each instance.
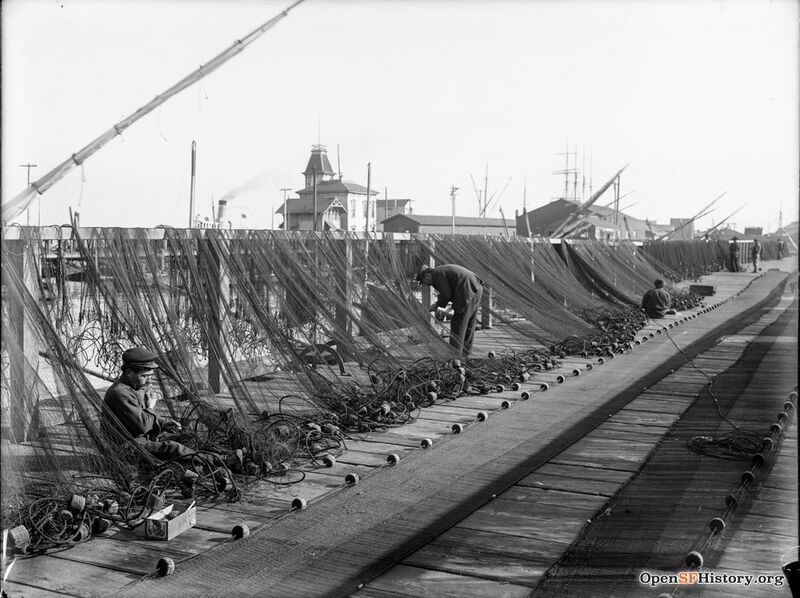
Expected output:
(704, 290)
(164, 525)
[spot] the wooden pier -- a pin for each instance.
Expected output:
(501, 507)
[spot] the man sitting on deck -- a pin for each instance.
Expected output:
(656, 302)
(463, 288)
(128, 407)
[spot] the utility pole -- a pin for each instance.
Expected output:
(191, 185)
(285, 210)
(369, 175)
(485, 191)
(453, 190)
(28, 211)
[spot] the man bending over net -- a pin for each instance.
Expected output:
(463, 288)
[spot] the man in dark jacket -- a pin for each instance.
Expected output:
(128, 407)
(657, 302)
(463, 288)
(733, 251)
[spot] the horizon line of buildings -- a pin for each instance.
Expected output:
(329, 203)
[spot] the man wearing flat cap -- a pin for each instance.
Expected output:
(463, 288)
(129, 408)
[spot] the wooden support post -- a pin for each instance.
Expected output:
(427, 291)
(20, 406)
(532, 245)
(219, 297)
(486, 306)
(343, 319)
(562, 246)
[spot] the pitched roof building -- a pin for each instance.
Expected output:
(596, 222)
(386, 208)
(419, 223)
(340, 205)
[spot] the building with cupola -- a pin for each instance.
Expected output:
(327, 202)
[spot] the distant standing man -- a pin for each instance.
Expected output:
(733, 251)
(755, 255)
(463, 288)
(780, 248)
(656, 302)
(129, 407)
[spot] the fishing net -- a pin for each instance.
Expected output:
(686, 260)
(274, 348)
(528, 281)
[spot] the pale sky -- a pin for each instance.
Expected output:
(700, 97)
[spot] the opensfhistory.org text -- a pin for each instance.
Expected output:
(652, 579)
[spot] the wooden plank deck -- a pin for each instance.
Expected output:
(266, 504)
(766, 537)
(585, 476)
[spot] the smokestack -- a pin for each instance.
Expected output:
(221, 211)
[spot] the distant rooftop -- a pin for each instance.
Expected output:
(434, 220)
(318, 162)
(337, 186)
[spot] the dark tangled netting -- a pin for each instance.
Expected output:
(275, 348)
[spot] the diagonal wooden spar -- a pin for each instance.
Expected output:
(494, 200)
(581, 213)
(624, 195)
(666, 236)
(703, 212)
(728, 217)
(18, 204)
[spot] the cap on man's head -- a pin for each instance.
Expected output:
(658, 283)
(735, 239)
(139, 358)
(423, 272)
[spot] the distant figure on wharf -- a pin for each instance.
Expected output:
(755, 255)
(656, 302)
(464, 289)
(733, 252)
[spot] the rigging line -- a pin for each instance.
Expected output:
(494, 201)
(21, 201)
(709, 378)
(179, 194)
(202, 94)
(83, 180)
(158, 125)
